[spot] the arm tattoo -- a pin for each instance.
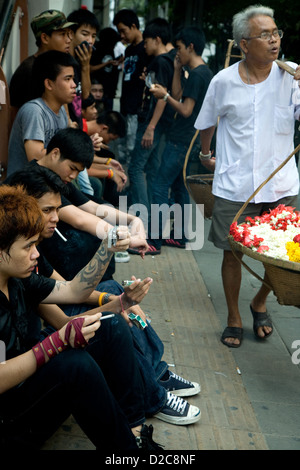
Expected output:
(92, 273)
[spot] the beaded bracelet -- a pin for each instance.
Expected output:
(110, 173)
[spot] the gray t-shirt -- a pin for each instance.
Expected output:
(34, 121)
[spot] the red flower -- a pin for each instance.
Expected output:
(262, 248)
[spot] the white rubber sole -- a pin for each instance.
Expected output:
(187, 392)
(193, 416)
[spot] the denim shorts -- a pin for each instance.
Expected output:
(224, 212)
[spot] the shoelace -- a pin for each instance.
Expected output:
(177, 404)
(180, 379)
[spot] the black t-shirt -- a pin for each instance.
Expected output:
(73, 195)
(161, 69)
(20, 325)
(108, 75)
(195, 87)
(20, 87)
(43, 268)
(132, 88)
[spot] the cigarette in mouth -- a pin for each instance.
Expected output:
(60, 234)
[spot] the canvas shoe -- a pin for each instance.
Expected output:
(144, 440)
(180, 386)
(178, 411)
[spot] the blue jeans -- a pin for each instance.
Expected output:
(169, 176)
(144, 163)
(148, 349)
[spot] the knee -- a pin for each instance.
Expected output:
(74, 364)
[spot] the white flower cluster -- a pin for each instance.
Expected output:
(275, 239)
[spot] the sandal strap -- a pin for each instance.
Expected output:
(261, 318)
(232, 332)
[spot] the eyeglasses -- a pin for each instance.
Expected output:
(265, 36)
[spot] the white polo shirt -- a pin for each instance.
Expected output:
(254, 135)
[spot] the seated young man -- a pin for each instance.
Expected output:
(60, 372)
(109, 125)
(68, 153)
(163, 389)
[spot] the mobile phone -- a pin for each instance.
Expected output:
(87, 45)
(150, 79)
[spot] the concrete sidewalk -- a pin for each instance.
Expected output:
(270, 379)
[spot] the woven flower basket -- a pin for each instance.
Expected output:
(200, 189)
(199, 186)
(281, 276)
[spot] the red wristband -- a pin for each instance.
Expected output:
(39, 355)
(79, 340)
(48, 347)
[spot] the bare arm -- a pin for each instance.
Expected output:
(185, 108)
(84, 56)
(206, 136)
(34, 149)
(147, 139)
(83, 284)
(16, 370)
(85, 221)
(98, 219)
(133, 294)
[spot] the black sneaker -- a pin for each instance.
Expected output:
(178, 411)
(145, 441)
(179, 386)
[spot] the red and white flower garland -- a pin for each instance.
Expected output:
(270, 233)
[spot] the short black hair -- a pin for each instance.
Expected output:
(158, 27)
(74, 145)
(115, 122)
(109, 37)
(88, 101)
(49, 65)
(83, 16)
(127, 17)
(38, 180)
(192, 35)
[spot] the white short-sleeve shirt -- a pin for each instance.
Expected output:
(254, 135)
